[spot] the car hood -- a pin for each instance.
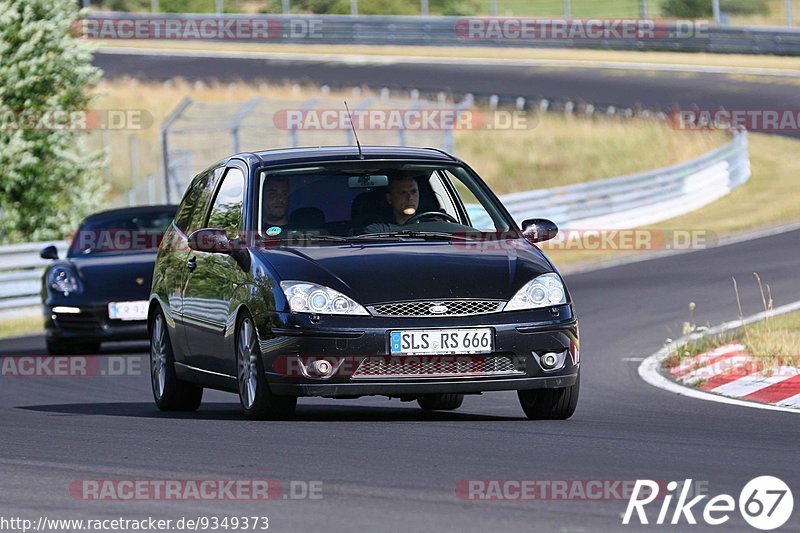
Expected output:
(119, 276)
(378, 273)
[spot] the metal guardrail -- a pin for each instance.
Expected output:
(626, 201)
(21, 273)
(639, 199)
(453, 31)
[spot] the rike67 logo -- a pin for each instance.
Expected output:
(765, 503)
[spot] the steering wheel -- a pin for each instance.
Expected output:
(431, 214)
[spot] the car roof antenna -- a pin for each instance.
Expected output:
(355, 134)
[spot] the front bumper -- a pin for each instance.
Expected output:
(291, 345)
(91, 324)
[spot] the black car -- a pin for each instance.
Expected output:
(340, 273)
(99, 292)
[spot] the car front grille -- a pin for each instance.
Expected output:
(437, 366)
(434, 308)
(82, 321)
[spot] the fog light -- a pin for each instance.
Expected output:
(549, 360)
(321, 367)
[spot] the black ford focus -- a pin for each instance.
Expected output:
(339, 273)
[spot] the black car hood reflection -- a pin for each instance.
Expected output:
(114, 276)
(386, 272)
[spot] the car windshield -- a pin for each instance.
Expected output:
(122, 232)
(364, 200)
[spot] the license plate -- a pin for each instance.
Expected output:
(127, 310)
(441, 341)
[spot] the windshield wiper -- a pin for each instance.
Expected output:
(438, 235)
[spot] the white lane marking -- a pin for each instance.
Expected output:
(649, 369)
(364, 59)
(756, 382)
(793, 401)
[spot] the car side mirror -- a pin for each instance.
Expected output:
(539, 230)
(210, 240)
(49, 252)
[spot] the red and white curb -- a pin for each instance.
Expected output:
(730, 371)
(729, 374)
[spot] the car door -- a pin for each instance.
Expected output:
(211, 279)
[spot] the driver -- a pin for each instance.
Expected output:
(403, 197)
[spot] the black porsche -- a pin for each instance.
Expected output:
(340, 273)
(99, 291)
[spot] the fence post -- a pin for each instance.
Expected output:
(164, 133)
(643, 10)
(424, 9)
(716, 10)
(246, 109)
(567, 9)
(154, 8)
(354, 7)
(134, 155)
(285, 7)
(789, 16)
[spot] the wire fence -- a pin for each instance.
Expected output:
(197, 134)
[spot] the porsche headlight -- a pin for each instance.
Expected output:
(306, 297)
(543, 291)
(63, 280)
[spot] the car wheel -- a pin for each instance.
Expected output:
(440, 402)
(170, 393)
(258, 402)
(550, 404)
(60, 347)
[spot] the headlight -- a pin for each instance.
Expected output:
(63, 280)
(312, 298)
(543, 291)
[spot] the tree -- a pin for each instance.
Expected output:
(48, 179)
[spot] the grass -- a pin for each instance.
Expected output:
(555, 150)
(768, 199)
(17, 327)
(585, 56)
(771, 342)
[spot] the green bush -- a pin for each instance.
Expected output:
(702, 8)
(48, 182)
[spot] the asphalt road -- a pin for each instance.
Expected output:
(601, 87)
(387, 466)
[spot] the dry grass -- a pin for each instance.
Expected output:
(17, 327)
(558, 150)
(570, 149)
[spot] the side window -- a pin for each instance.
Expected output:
(184, 215)
(479, 218)
(227, 210)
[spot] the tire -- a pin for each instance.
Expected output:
(440, 402)
(550, 404)
(170, 393)
(60, 347)
(258, 402)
